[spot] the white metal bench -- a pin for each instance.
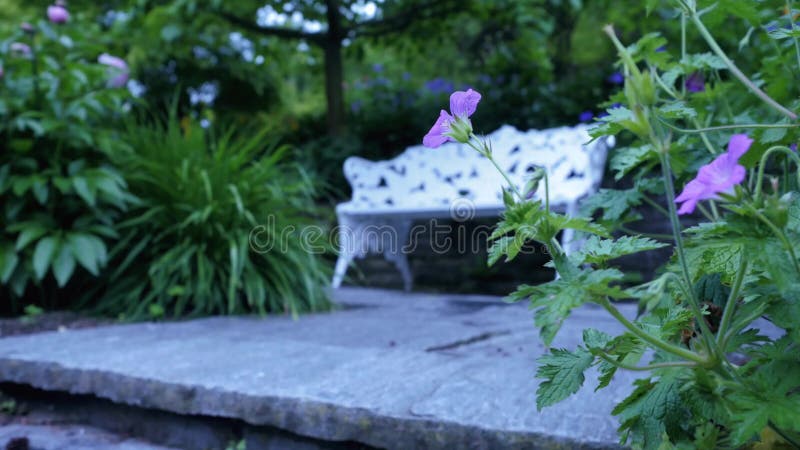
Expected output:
(454, 181)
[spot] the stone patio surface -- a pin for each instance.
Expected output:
(390, 370)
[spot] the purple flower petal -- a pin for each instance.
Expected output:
(738, 145)
(616, 78)
(121, 73)
(464, 103)
(695, 82)
(718, 176)
(586, 116)
(436, 136)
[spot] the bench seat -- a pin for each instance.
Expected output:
(454, 181)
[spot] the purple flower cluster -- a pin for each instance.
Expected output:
(439, 86)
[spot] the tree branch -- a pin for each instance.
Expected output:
(287, 33)
(402, 20)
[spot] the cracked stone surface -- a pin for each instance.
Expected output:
(390, 370)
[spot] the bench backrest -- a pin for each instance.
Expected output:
(423, 178)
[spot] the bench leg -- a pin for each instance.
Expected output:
(342, 263)
(396, 252)
(347, 230)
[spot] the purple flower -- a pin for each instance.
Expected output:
(377, 67)
(462, 106)
(586, 116)
(20, 49)
(792, 147)
(119, 69)
(616, 78)
(695, 82)
(27, 27)
(718, 176)
(439, 85)
(57, 14)
(661, 49)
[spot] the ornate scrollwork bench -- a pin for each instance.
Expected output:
(454, 181)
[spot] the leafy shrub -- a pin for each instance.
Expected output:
(719, 327)
(185, 245)
(60, 195)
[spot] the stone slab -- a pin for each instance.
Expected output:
(71, 437)
(390, 370)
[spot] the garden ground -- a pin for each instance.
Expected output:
(387, 370)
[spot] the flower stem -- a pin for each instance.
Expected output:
(647, 337)
(655, 205)
(728, 127)
(763, 163)
(676, 233)
(730, 305)
(663, 365)
(485, 151)
(712, 43)
(779, 234)
(794, 28)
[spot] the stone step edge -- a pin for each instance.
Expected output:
(304, 417)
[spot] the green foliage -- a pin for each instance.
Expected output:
(713, 379)
(563, 374)
(60, 194)
(220, 226)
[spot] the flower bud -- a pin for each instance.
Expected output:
(533, 183)
(27, 27)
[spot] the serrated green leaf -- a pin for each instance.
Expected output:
(701, 61)
(614, 203)
(555, 300)
(626, 159)
(598, 251)
(562, 372)
(652, 409)
(677, 110)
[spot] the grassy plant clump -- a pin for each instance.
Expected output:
(219, 227)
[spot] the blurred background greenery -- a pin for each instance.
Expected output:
(138, 200)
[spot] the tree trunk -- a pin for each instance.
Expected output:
(334, 77)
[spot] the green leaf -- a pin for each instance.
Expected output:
(598, 251)
(677, 110)
(562, 372)
(626, 159)
(63, 265)
(701, 61)
(89, 250)
(614, 203)
(29, 233)
(651, 410)
(43, 255)
(83, 189)
(8, 262)
(555, 300)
